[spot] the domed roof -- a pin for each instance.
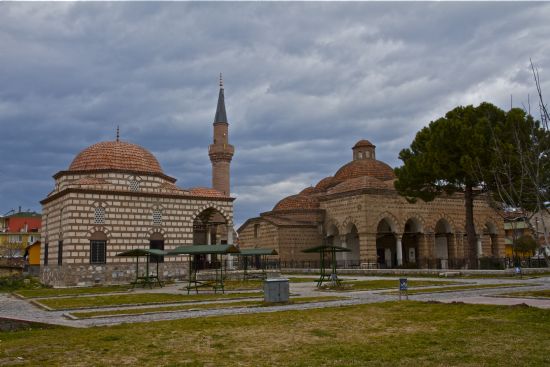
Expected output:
(326, 183)
(358, 183)
(308, 191)
(363, 143)
(116, 155)
(297, 202)
(365, 167)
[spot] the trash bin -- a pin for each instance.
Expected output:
(276, 290)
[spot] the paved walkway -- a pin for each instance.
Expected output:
(13, 307)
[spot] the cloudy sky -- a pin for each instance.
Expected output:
(303, 83)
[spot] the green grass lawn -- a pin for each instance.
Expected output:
(137, 298)
(209, 306)
(539, 294)
(368, 285)
(59, 292)
(465, 287)
(385, 334)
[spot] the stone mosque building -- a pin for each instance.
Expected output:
(360, 209)
(115, 197)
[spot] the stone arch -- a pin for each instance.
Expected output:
(156, 230)
(103, 229)
(391, 219)
(413, 233)
(419, 224)
(348, 223)
(444, 237)
(209, 205)
(452, 226)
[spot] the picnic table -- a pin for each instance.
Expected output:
(331, 251)
(194, 251)
(146, 279)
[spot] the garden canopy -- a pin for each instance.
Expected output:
(146, 279)
(217, 282)
(245, 254)
(323, 250)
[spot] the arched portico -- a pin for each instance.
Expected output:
(351, 241)
(412, 235)
(388, 245)
(443, 240)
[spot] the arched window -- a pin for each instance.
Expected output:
(98, 248)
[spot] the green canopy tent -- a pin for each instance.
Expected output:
(323, 251)
(146, 279)
(246, 254)
(194, 266)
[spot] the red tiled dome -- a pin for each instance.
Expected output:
(117, 155)
(363, 143)
(308, 191)
(326, 183)
(297, 202)
(365, 167)
(358, 183)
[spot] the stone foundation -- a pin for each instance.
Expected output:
(105, 274)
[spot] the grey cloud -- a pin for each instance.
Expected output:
(304, 82)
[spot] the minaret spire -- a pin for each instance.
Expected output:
(221, 116)
(221, 152)
(117, 133)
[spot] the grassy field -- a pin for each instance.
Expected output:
(137, 298)
(59, 292)
(539, 294)
(368, 285)
(386, 334)
(464, 287)
(209, 306)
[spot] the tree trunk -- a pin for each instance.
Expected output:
(472, 259)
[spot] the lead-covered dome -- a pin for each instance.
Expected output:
(297, 202)
(116, 155)
(365, 167)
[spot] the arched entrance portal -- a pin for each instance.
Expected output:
(210, 227)
(386, 244)
(443, 235)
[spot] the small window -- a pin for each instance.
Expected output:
(256, 230)
(98, 252)
(134, 185)
(60, 253)
(99, 215)
(157, 216)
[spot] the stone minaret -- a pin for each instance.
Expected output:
(221, 151)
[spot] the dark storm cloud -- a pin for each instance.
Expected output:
(303, 81)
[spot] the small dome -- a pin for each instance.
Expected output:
(365, 167)
(116, 155)
(363, 143)
(326, 183)
(297, 202)
(358, 183)
(308, 191)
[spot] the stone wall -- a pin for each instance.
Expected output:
(88, 274)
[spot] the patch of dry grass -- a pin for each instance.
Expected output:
(385, 334)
